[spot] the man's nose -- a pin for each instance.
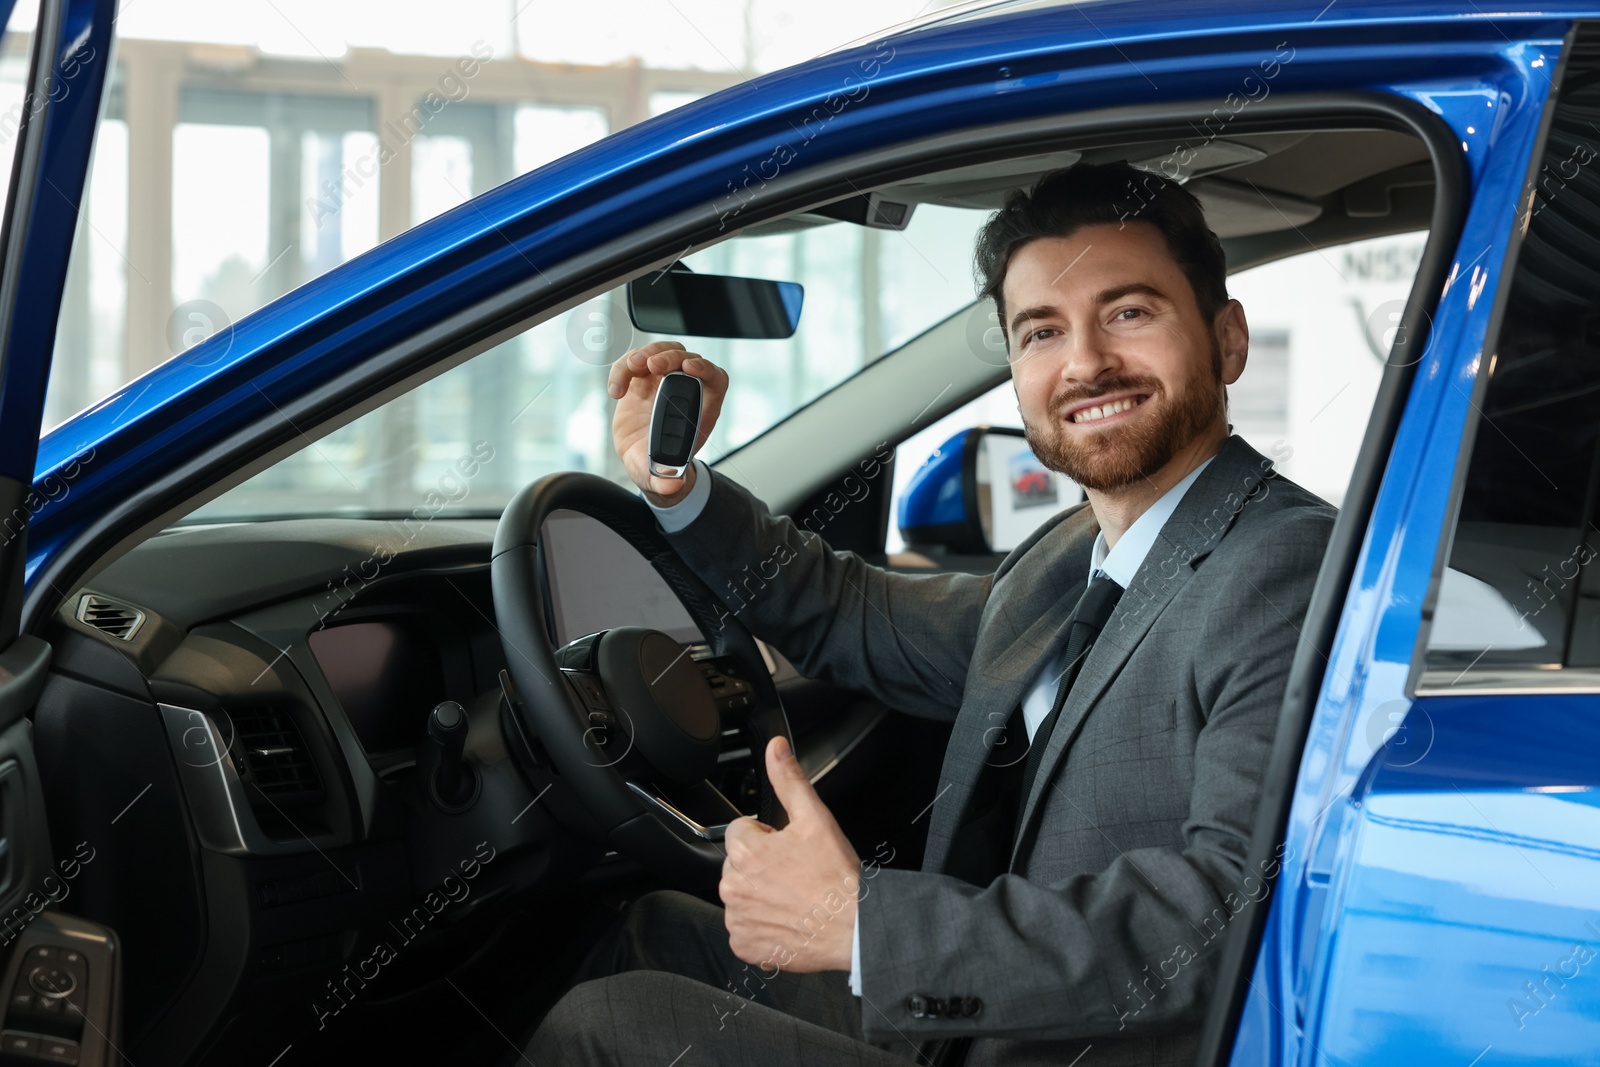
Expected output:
(1086, 354)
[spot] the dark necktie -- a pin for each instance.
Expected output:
(982, 842)
(1088, 619)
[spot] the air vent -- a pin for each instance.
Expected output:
(271, 755)
(110, 617)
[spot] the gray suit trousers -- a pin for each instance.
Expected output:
(663, 988)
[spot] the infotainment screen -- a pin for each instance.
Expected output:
(387, 677)
(598, 581)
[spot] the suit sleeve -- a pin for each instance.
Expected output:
(905, 639)
(1132, 948)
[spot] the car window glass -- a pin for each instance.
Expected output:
(536, 403)
(1518, 589)
(1321, 325)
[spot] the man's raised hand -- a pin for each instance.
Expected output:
(633, 382)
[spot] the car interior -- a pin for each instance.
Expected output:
(319, 802)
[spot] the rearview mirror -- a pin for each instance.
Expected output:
(982, 492)
(678, 301)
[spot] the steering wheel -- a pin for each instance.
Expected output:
(632, 722)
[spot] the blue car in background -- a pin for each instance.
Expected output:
(264, 780)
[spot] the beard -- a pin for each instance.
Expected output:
(1118, 456)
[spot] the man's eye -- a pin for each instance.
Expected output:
(1129, 314)
(1039, 335)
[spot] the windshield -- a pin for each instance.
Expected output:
(466, 441)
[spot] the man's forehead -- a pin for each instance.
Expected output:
(1090, 260)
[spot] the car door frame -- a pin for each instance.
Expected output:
(1320, 745)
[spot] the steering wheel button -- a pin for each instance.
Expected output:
(592, 694)
(22, 1001)
(42, 954)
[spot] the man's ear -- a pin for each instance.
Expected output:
(1233, 340)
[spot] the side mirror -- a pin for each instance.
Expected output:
(982, 492)
(678, 301)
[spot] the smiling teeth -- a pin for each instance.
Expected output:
(1096, 413)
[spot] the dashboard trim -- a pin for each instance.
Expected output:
(219, 808)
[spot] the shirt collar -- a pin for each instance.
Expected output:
(1121, 563)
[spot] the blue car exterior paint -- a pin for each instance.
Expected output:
(1464, 867)
(1355, 921)
(933, 496)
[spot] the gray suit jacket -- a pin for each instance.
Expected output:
(1131, 863)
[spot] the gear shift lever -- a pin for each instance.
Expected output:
(451, 780)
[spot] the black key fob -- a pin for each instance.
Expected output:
(674, 424)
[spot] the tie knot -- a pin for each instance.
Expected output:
(1098, 602)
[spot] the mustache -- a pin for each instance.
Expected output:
(1110, 386)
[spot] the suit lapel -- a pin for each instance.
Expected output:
(1023, 632)
(1204, 514)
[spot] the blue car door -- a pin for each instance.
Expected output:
(1439, 848)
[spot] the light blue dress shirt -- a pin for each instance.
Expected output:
(1119, 563)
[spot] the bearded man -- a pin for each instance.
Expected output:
(1114, 688)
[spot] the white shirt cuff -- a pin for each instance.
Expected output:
(855, 955)
(685, 511)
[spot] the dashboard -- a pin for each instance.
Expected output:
(268, 687)
(237, 717)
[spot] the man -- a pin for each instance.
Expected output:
(1114, 687)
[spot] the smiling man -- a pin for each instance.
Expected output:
(1114, 689)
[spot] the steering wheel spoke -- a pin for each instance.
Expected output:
(712, 811)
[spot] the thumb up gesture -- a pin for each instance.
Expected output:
(790, 894)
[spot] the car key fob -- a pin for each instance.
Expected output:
(674, 424)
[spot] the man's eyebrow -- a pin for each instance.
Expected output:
(1105, 296)
(1117, 292)
(1039, 311)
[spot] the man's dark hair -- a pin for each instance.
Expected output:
(1088, 193)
